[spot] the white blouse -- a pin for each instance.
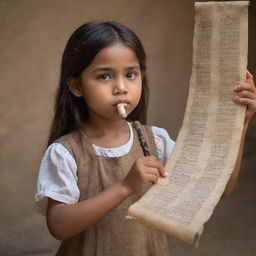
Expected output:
(58, 170)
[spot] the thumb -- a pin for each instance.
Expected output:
(249, 77)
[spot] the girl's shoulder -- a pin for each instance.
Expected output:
(162, 136)
(160, 132)
(69, 138)
(164, 144)
(73, 142)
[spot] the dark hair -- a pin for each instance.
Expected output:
(81, 48)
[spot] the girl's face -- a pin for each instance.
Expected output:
(113, 77)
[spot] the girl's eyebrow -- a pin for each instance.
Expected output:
(111, 69)
(133, 67)
(102, 69)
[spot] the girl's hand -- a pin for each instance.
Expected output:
(144, 170)
(246, 95)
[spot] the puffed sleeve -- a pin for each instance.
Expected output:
(57, 178)
(164, 144)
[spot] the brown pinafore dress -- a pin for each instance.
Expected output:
(113, 235)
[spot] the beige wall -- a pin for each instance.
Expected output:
(33, 34)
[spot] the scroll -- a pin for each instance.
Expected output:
(207, 146)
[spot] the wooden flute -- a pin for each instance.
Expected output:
(136, 125)
(142, 140)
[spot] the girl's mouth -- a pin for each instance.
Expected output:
(119, 101)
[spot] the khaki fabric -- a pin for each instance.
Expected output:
(114, 235)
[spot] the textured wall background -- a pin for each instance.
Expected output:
(33, 34)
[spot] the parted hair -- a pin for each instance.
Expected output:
(71, 112)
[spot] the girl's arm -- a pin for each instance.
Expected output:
(65, 221)
(246, 95)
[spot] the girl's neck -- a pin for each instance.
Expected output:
(107, 134)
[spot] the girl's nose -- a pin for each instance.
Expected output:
(120, 87)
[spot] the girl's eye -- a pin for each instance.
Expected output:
(131, 75)
(104, 77)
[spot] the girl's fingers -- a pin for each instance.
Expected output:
(247, 94)
(248, 85)
(156, 165)
(152, 178)
(245, 86)
(153, 171)
(249, 76)
(246, 101)
(152, 174)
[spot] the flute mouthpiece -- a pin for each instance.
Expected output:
(121, 110)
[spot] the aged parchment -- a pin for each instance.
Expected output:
(207, 146)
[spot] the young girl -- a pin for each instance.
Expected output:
(94, 167)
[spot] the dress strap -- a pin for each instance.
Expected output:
(86, 143)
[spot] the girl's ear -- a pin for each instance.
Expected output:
(74, 86)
